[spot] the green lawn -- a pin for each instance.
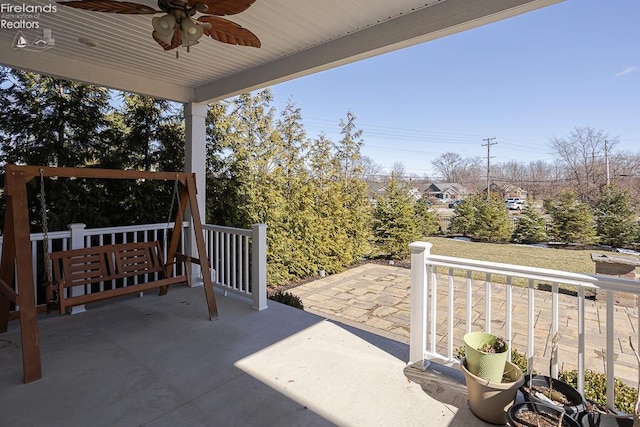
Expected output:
(573, 260)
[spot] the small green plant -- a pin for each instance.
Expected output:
(498, 346)
(287, 298)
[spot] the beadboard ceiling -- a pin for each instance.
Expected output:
(299, 37)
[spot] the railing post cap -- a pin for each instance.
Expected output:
(420, 246)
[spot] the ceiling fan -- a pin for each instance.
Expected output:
(178, 26)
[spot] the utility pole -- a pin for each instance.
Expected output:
(606, 159)
(488, 145)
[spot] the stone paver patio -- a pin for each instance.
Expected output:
(375, 298)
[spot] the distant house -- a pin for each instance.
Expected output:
(507, 190)
(445, 191)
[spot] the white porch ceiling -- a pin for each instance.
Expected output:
(299, 37)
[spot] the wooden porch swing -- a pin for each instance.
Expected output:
(114, 261)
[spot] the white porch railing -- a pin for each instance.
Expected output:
(237, 256)
(433, 322)
(239, 261)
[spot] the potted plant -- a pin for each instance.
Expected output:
(605, 417)
(551, 391)
(489, 400)
(486, 355)
(529, 414)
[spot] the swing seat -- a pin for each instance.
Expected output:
(109, 271)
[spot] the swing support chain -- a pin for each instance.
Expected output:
(51, 294)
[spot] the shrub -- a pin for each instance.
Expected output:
(287, 298)
(394, 222)
(595, 389)
(425, 218)
(484, 219)
(572, 220)
(531, 227)
(615, 218)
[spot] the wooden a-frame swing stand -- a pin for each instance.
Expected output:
(16, 248)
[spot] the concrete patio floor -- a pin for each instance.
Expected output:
(159, 361)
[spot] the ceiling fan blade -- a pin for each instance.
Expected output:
(168, 44)
(111, 6)
(223, 7)
(229, 32)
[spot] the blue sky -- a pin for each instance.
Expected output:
(523, 81)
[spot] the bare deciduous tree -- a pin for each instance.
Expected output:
(583, 154)
(451, 167)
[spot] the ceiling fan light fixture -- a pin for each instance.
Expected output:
(165, 38)
(164, 24)
(191, 31)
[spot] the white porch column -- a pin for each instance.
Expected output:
(419, 308)
(259, 266)
(195, 160)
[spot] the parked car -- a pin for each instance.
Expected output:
(516, 206)
(513, 199)
(455, 203)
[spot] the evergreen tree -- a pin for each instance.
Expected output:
(349, 147)
(352, 189)
(482, 218)
(153, 132)
(492, 219)
(464, 217)
(572, 221)
(265, 170)
(531, 227)
(426, 220)
(52, 122)
(224, 173)
(615, 218)
(330, 239)
(394, 220)
(48, 121)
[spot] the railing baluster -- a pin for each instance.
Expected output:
(433, 321)
(227, 266)
(610, 359)
(34, 266)
(530, 324)
(240, 263)
(487, 309)
(217, 255)
(507, 315)
(234, 263)
(450, 315)
(469, 300)
(581, 340)
(246, 264)
(554, 325)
